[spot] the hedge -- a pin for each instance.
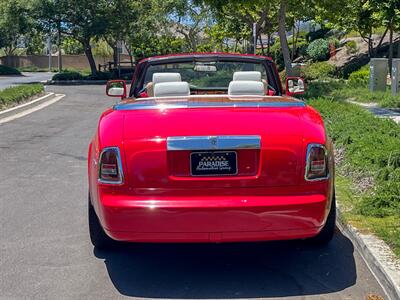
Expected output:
(17, 94)
(4, 70)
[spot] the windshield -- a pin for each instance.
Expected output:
(205, 75)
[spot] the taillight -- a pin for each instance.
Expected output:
(110, 167)
(317, 162)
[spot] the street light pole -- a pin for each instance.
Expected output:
(255, 37)
(49, 49)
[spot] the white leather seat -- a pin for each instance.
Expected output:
(246, 88)
(166, 77)
(171, 89)
(247, 76)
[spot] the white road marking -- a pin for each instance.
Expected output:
(31, 110)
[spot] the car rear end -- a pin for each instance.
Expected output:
(211, 174)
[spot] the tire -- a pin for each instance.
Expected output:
(98, 237)
(328, 231)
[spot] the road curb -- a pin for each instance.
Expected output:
(29, 107)
(78, 82)
(378, 256)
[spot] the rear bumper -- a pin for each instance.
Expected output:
(211, 219)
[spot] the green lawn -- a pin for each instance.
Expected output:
(14, 95)
(368, 164)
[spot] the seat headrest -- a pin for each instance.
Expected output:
(250, 76)
(166, 89)
(246, 88)
(166, 77)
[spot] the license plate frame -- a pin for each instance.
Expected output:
(213, 163)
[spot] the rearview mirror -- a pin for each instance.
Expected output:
(116, 88)
(295, 86)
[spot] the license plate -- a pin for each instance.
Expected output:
(215, 163)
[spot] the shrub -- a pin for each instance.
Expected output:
(101, 76)
(318, 50)
(372, 149)
(360, 77)
(318, 34)
(4, 70)
(68, 75)
(351, 47)
(19, 93)
(319, 70)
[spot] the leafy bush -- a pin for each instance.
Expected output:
(319, 70)
(360, 77)
(276, 51)
(318, 34)
(19, 93)
(372, 149)
(334, 41)
(351, 47)
(4, 70)
(68, 75)
(100, 76)
(318, 50)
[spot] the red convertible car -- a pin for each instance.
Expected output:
(209, 148)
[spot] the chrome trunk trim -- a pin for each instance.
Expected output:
(220, 142)
(175, 105)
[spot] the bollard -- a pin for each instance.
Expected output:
(378, 74)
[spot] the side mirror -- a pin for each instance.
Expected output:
(295, 86)
(116, 88)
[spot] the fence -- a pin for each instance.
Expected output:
(79, 62)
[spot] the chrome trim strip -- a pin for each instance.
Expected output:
(234, 104)
(309, 147)
(221, 142)
(119, 162)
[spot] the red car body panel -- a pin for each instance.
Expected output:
(159, 200)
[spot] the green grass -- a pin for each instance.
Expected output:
(4, 70)
(368, 180)
(387, 228)
(14, 95)
(339, 90)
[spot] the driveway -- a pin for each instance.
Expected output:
(46, 253)
(27, 77)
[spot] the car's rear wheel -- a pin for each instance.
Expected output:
(98, 237)
(328, 231)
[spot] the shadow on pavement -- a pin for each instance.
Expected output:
(250, 270)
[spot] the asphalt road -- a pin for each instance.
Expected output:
(31, 77)
(46, 252)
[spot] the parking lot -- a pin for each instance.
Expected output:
(46, 252)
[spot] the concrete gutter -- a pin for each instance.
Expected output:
(29, 107)
(378, 256)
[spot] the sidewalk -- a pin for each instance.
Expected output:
(378, 111)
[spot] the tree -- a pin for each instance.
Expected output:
(388, 13)
(259, 11)
(15, 22)
(190, 19)
(50, 15)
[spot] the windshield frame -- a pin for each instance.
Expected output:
(143, 66)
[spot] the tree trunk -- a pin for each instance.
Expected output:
(390, 46)
(89, 56)
(262, 45)
(380, 42)
(269, 44)
(282, 37)
(293, 37)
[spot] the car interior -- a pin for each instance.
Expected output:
(168, 84)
